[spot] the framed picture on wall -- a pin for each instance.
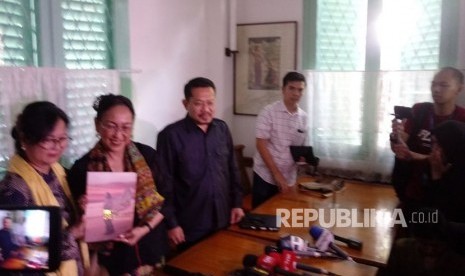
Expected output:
(266, 52)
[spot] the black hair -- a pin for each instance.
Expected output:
(35, 123)
(293, 76)
(458, 75)
(450, 135)
(197, 82)
(104, 102)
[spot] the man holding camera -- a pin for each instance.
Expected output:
(411, 138)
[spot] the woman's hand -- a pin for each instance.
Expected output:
(134, 235)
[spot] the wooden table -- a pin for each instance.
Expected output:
(224, 251)
(377, 240)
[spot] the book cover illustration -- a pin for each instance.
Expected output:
(110, 204)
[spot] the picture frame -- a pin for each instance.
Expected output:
(266, 52)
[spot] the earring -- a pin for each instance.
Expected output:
(23, 147)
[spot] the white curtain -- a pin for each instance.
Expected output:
(72, 90)
(351, 113)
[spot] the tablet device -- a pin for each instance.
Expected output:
(259, 222)
(30, 238)
(304, 151)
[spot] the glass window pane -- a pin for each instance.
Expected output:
(17, 33)
(87, 34)
(341, 35)
(409, 34)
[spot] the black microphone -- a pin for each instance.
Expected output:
(318, 233)
(288, 259)
(351, 243)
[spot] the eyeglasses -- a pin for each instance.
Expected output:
(114, 128)
(50, 143)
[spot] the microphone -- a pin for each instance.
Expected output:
(289, 258)
(324, 240)
(269, 264)
(351, 243)
(301, 248)
(289, 261)
(249, 262)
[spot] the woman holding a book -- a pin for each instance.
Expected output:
(139, 249)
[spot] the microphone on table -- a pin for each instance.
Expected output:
(289, 261)
(324, 240)
(301, 248)
(270, 264)
(351, 243)
(250, 269)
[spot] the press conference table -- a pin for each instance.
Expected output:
(377, 240)
(223, 253)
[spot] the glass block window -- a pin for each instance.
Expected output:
(347, 98)
(17, 33)
(341, 35)
(87, 34)
(409, 34)
(82, 88)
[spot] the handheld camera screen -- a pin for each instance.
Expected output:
(29, 238)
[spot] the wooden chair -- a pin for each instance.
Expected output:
(243, 163)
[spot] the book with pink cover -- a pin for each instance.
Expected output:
(110, 204)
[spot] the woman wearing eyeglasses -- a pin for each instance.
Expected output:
(35, 178)
(137, 251)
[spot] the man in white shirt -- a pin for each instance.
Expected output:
(279, 125)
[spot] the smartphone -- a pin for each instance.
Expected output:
(402, 112)
(30, 238)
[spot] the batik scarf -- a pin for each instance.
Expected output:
(148, 200)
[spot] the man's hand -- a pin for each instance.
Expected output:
(398, 126)
(398, 134)
(236, 215)
(176, 235)
(402, 151)
(438, 165)
(282, 183)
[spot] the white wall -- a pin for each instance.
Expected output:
(256, 11)
(174, 41)
(170, 43)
